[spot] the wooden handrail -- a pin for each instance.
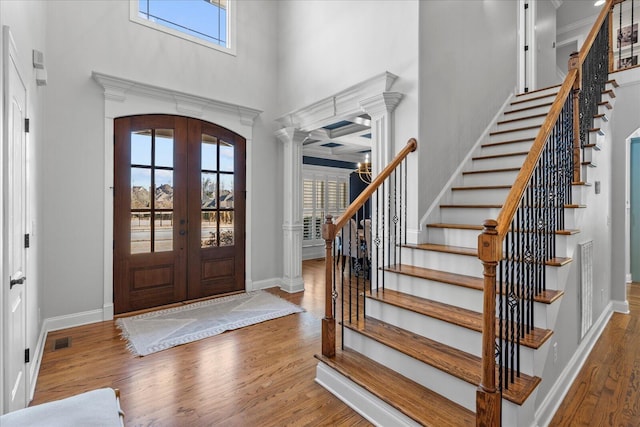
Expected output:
(411, 146)
(329, 232)
(526, 171)
(490, 241)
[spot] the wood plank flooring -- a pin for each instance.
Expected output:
(263, 375)
(607, 389)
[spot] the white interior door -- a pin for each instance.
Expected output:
(14, 195)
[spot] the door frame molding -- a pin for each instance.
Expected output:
(627, 208)
(124, 97)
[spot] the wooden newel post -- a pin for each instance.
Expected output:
(574, 63)
(329, 322)
(488, 400)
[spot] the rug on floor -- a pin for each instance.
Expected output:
(158, 330)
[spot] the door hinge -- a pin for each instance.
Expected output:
(26, 241)
(27, 357)
(26, 125)
(526, 89)
(526, 6)
(526, 48)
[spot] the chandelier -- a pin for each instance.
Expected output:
(364, 170)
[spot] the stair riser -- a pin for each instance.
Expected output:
(498, 162)
(463, 339)
(602, 109)
(468, 298)
(518, 134)
(453, 237)
(492, 178)
(517, 113)
(469, 239)
(452, 263)
(442, 383)
(468, 215)
(492, 196)
(525, 122)
(447, 333)
(514, 147)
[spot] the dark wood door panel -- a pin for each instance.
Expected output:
(179, 258)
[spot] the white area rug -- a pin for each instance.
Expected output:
(159, 330)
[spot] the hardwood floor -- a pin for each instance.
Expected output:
(263, 375)
(607, 389)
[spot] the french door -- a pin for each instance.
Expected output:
(179, 211)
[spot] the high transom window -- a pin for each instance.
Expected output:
(201, 21)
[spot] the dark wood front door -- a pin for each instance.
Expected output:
(179, 211)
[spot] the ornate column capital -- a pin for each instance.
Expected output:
(381, 104)
(291, 134)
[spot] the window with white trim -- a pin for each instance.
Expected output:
(322, 195)
(205, 22)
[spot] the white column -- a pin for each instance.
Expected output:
(292, 226)
(380, 108)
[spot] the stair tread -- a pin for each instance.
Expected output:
(437, 275)
(535, 116)
(496, 156)
(451, 314)
(458, 363)
(609, 92)
(538, 90)
(535, 98)
(520, 110)
(470, 282)
(490, 171)
(443, 248)
(473, 206)
(502, 132)
(568, 232)
(414, 400)
(513, 141)
(481, 187)
(498, 206)
(457, 226)
(606, 104)
(613, 83)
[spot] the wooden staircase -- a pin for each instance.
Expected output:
(419, 347)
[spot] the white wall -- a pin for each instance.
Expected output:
(28, 25)
(626, 120)
(328, 46)
(468, 59)
(97, 36)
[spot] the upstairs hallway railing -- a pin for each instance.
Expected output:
(516, 247)
(365, 243)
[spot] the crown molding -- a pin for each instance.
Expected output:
(345, 103)
(118, 89)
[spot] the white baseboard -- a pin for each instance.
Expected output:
(292, 286)
(263, 284)
(107, 312)
(629, 278)
(72, 320)
(366, 404)
(556, 395)
(54, 324)
(620, 306)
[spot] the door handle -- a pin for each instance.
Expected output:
(14, 282)
(183, 232)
